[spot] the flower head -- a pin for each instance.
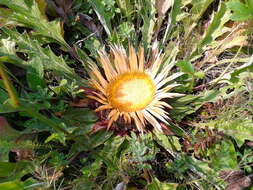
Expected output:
(131, 91)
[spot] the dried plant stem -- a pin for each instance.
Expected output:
(215, 81)
(9, 88)
(224, 61)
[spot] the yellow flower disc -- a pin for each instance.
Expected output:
(131, 92)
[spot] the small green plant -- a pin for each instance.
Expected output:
(241, 11)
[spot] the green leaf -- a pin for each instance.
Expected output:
(87, 143)
(191, 19)
(139, 146)
(189, 104)
(223, 156)
(209, 96)
(241, 12)
(35, 74)
(250, 3)
(57, 159)
(176, 10)
(170, 143)
(7, 107)
(8, 169)
(199, 8)
(4, 16)
(56, 137)
(209, 36)
(81, 118)
(234, 75)
(12, 185)
(3, 94)
(33, 48)
(109, 153)
(157, 185)
(83, 57)
(6, 132)
(127, 7)
(147, 11)
(240, 129)
(8, 52)
(186, 67)
(104, 18)
(5, 148)
(79, 115)
(215, 24)
(93, 169)
(34, 125)
(28, 14)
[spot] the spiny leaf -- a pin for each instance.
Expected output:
(33, 48)
(8, 52)
(216, 25)
(104, 18)
(198, 9)
(126, 6)
(28, 14)
(147, 11)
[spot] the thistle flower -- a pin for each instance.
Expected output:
(131, 91)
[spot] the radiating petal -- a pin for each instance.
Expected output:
(167, 88)
(141, 117)
(164, 104)
(170, 78)
(141, 59)
(160, 115)
(97, 86)
(110, 123)
(158, 78)
(168, 95)
(152, 120)
(156, 65)
(97, 99)
(113, 112)
(98, 76)
(163, 73)
(138, 123)
(120, 59)
(167, 68)
(112, 119)
(126, 117)
(132, 59)
(102, 97)
(103, 107)
(110, 72)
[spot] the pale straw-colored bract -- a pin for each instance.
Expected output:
(130, 90)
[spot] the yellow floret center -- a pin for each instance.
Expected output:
(131, 92)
